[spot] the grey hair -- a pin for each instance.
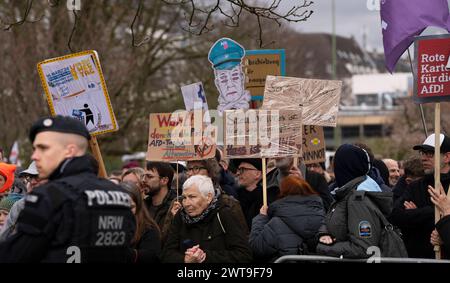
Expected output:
(203, 183)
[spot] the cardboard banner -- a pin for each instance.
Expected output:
(75, 87)
(180, 136)
(258, 64)
(261, 133)
(313, 144)
(319, 99)
(432, 76)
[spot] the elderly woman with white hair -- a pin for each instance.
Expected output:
(204, 230)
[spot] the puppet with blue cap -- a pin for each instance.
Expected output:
(226, 58)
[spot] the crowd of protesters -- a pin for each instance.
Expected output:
(213, 210)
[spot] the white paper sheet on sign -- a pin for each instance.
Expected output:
(75, 87)
(319, 98)
(195, 98)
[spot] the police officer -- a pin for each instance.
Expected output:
(75, 217)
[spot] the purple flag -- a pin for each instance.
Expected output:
(401, 20)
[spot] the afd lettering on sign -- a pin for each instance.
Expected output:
(432, 78)
(100, 198)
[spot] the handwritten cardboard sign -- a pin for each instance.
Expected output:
(261, 133)
(75, 87)
(258, 64)
(179, 136)
(313, 144)
(319, 99)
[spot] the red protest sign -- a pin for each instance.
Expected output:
(432, 78)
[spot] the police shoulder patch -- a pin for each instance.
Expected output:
(365, 229)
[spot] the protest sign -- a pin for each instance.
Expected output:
(319, 99)
(262, 133)
(313, 144)
(258, 64)
(179, 136)
(432, 78)
(75, 87)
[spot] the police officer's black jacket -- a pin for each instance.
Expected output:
(75, 217)
(417, 224)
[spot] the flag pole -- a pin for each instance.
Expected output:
(422, 115)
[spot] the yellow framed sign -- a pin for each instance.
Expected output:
(75, 87)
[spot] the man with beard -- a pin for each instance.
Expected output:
(156, 182)
(413, 212)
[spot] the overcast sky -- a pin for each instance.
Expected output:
(352, 18)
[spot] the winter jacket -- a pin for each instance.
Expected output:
(223, 199)
(159, 213)
(228, 184)
(148, 249)
(443, 228)
(217, 235)
(290, 221)
(315, 180)
(352, 221)
(251, 201)
(417, 224)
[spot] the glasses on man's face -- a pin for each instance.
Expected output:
(426, 153)
(30, 179)
(241, 170)
(195, 169)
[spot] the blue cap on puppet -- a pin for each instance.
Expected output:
(226, 54)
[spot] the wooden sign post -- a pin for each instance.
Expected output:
(437, 165)
(95, 148)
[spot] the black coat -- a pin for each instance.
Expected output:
(352, 221)
(148, 249)
(217, 235)
(251, 202)
(159, 213)
(74, 209)
(443, 228)
(417, 224)
(228, 183)
(290, 221)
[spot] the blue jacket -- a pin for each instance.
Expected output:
(290, 221)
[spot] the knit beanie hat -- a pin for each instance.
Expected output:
(7, 171)
(7, 202)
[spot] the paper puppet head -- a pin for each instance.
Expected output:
(226, 58)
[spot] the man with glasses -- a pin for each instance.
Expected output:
(30, 176)
(157, 182)
(414, 212)
(250, 193)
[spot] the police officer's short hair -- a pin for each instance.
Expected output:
(203, 183)
(164, 170)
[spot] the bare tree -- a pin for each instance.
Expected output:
(144, 49)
